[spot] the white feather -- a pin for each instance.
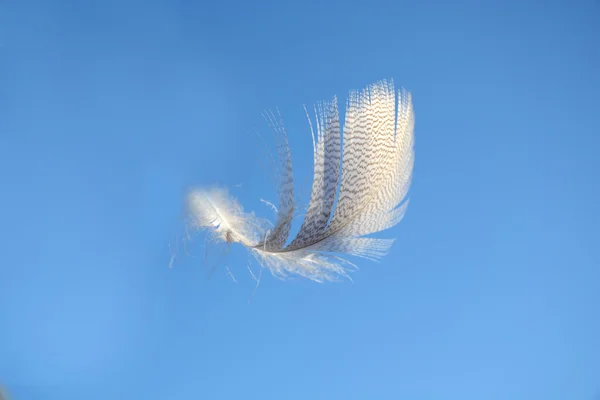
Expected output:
(377, 159)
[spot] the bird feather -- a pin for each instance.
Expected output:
(376, 153)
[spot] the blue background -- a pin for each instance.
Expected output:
(110, 111)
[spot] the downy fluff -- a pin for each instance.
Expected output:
(377, 157)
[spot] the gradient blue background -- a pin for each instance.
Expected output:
(110, 111)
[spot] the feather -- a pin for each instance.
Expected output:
(377, 158)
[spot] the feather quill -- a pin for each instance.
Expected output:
(377, 158)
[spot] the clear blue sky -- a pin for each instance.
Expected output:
(111, 110)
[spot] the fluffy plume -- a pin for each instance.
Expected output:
(377, 157)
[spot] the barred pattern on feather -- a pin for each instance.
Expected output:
(377, 161)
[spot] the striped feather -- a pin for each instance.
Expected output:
(376, 150)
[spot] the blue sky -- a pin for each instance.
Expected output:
(110, 111)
